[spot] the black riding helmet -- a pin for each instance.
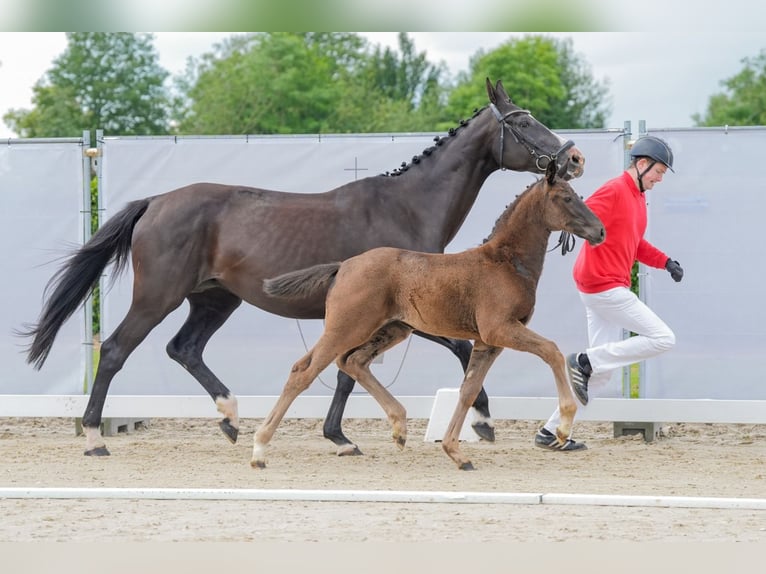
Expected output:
(655, 149)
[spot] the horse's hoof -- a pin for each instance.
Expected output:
(466, 466)
(484, 431)
(349, 450)
(98, 451)
(230, 431)
(400, 441)
(258, 464)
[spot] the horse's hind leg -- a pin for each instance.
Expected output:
(208, 310)
(482, 425)
(114, 352)
(332, 422)
(357, 364)
(301, 376)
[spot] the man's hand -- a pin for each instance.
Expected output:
(675, 270)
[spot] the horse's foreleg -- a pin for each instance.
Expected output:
(208, 311)
(518, 336)
(301, 376)
(332, 423)
(482, 358)
(482, 425)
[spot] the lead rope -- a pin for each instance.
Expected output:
(566, 241)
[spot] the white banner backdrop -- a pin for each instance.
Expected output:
(253, 352)
(707, 215)
(41, 220)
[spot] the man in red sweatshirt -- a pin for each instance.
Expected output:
(602, 275)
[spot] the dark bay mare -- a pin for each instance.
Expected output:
(487, 294)
(214, 244)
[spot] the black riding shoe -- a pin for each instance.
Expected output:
(578, 378)
(546, 439)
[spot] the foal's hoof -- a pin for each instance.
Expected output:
(484, 430)
(230, 431)
(257, 464)
(466, 466)
(349, 450)
(98, 451)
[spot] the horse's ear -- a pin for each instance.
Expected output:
(491, 92)
(550, 172)
(501, 93)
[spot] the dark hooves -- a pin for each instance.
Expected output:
(484, 431)
(350, 452)
(467, 466)
(98, 451)
(230, 431)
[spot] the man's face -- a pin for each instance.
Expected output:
(654, 175)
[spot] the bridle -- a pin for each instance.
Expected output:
(541, 159)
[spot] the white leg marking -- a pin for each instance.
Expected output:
(93, 438)
(228, 408)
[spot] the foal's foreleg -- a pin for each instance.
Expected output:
(518, 336)
(208, 311)
(482, 425)
(482, 358)
(357, 365)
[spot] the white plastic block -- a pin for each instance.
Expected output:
(441, 414)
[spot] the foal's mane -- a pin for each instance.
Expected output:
(439, 140)
(509, 208)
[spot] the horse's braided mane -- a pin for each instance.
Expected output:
(438, 142)
(509, 209)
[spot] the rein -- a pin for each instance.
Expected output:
(501, 119)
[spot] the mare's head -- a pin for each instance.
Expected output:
(528, 145)
(565, 211)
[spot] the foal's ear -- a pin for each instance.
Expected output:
(550, 172)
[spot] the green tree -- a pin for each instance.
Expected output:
(316, 82)
(109, 81)
(744, 101)
(540, 73)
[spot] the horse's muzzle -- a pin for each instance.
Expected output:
(575, 164)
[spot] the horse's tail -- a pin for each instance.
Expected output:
(303, 282)
(79, 275)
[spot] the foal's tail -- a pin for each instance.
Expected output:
(79, 275)
(303, 282)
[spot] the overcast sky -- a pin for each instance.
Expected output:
(659, 77)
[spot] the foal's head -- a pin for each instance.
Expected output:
(564, 210)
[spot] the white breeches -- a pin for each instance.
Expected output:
(609, 313)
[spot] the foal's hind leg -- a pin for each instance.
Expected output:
(357, 364)
(208, 310)
(482, 425)
(301, 376)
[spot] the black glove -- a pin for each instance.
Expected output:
(675, 270)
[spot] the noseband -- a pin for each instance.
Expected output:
(541, 160)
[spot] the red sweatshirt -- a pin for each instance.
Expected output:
(622, 209)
